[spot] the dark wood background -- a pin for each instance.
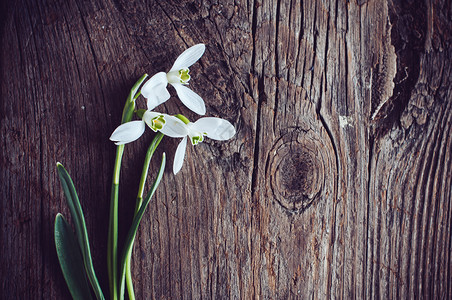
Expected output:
(337, 184)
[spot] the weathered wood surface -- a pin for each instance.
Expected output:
(337, 184)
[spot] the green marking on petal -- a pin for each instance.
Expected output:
(184, 76)
(158, 123)
(195, 140)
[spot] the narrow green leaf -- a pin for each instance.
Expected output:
(80, 227)
(147, 160)
(70, 259)
(134, 228)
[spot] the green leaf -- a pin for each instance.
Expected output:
(134, 228)
(70, 259)
(80, 228)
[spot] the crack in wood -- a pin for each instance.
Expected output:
(407, 37)
(382, 80)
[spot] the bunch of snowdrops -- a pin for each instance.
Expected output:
(72, 246)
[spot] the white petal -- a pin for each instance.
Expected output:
(190, 99)
(155, 90)
(179, 155)
(128, 132)
(216, 128)
(174, 127)
(189, 57)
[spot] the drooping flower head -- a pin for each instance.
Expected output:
(155, 88)
(131, 131)
(179, 126)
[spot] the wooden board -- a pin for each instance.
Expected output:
(337, 184)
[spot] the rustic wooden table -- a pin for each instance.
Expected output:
(337, 184)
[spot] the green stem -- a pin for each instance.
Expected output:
(112, 253)
(134, 227)
(129, 282)
(136, 95)
(182, 118)
(144, 173)
(129, 279)
(112, 247)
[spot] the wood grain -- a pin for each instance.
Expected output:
(337, 184)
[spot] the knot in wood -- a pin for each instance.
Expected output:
(296, 171)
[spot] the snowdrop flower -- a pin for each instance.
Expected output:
(155, 88)
(131, 131)
(214, 128)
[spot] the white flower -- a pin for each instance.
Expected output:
(155, 88)
(131, 131)
(214, 128)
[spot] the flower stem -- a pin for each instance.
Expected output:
(152, 147)
(182, 118)
(112, 253)
(112, 244)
